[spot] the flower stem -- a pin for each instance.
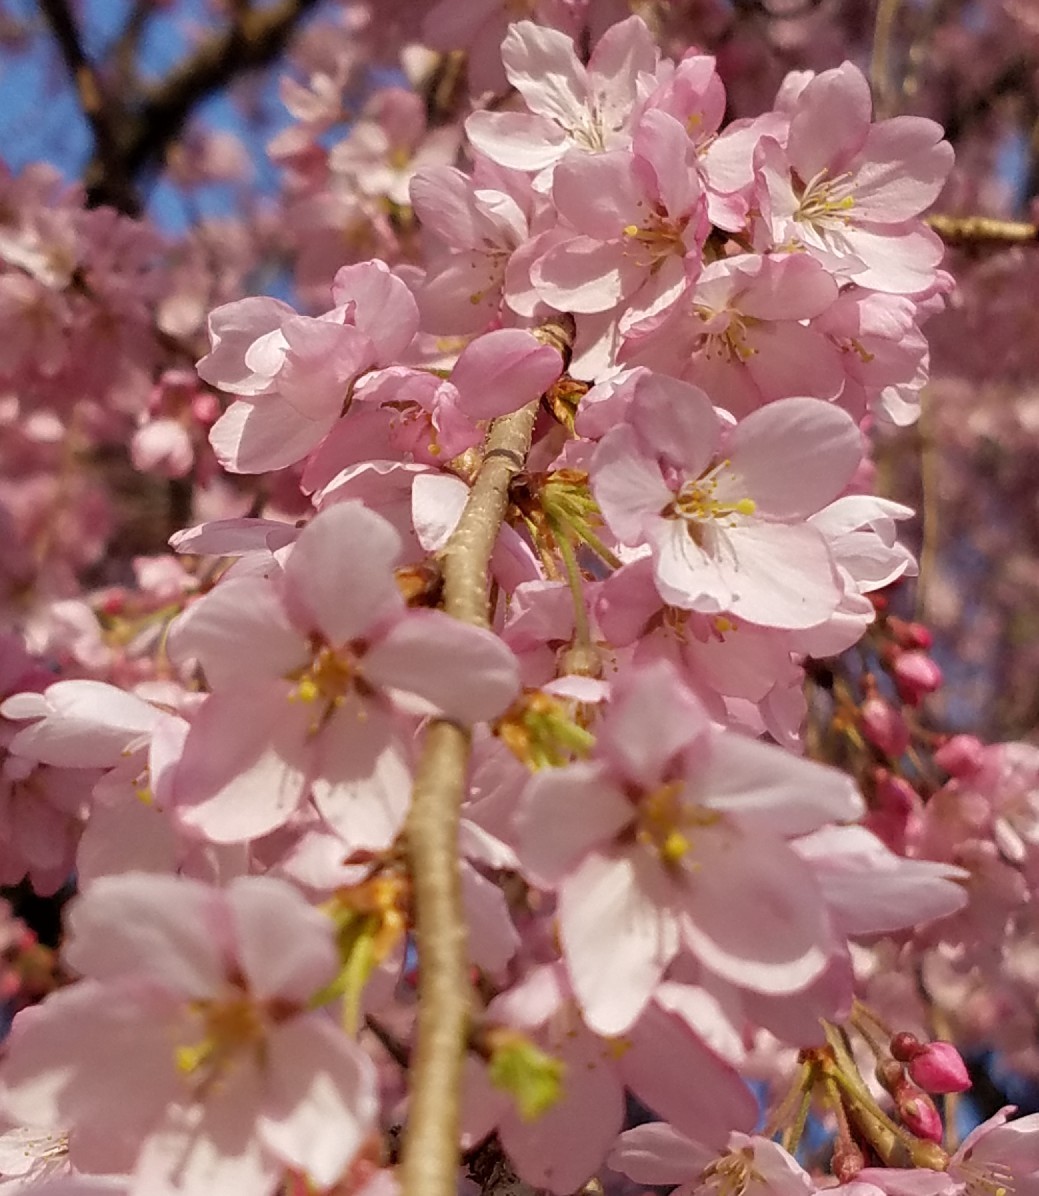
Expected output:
(430, 1157)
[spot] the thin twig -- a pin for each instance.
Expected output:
(880, 65)
(429, 1163)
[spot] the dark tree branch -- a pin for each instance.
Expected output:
(102, 116)
(254, 39)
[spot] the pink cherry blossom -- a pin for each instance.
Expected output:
(656, 846)
(728, 532)
(292, 374)
(849, 191)
(187, 1048)
(328, 664)
(570, 105)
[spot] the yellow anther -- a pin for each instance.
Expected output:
(307, 690)
(631, 230)
(674, 848)
(190, 1058)
(745, 506)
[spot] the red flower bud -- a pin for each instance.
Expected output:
(905, 1046)
(939, 1067)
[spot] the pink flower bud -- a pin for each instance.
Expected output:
(938, 1067)
(918, 636)
(918, 1114)
(884, 727)
(961, 756)
(916, 675)
(205, 407)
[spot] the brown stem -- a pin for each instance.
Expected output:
(974, 230)
(429, 1163)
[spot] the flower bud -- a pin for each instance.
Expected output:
(960, 756)
(916, 675)
(939, 1067)
(884, 727)
(918, 1113)
(905, 1046)
(848, 1160)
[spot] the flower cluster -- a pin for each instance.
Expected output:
(561, 515)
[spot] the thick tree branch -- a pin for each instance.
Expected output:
(254, 39)
(102, 116)
(430, 1158)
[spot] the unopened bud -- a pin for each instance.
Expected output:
(905, 1046)
(960, 756)
(848, 1161)
(918, 1113)
(884, 727)
(916, 675)
(939, 1067)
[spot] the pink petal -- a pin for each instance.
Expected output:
(321, 1100)
(563, 1147)
(493, 939)
(233, 328)
(541, 64)
(466, 672)
(584, 275)
(95, 1057)
(753, 914)
(873, 891)
(597, 193)
(676, 420)
(768, 789)
(502, 371)
(516, 139)
(671, 1071)
(831, 121)
(618, 937)
(285, 947)
(654, 717)
(656, 1153)
(163, 927)
(385, 309)
(86, 724)
(265, 435)
(564, 814)
(792, 457)
(362, 781)
(628, 485)
(238, 632)
(243, 772)
(339, 575)
(905, 166)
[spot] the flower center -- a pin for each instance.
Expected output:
(328, 677)
(698, 504)
(664, 819)
(729, 343)
(659, 237)
(826, 201)
(230, 1028)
